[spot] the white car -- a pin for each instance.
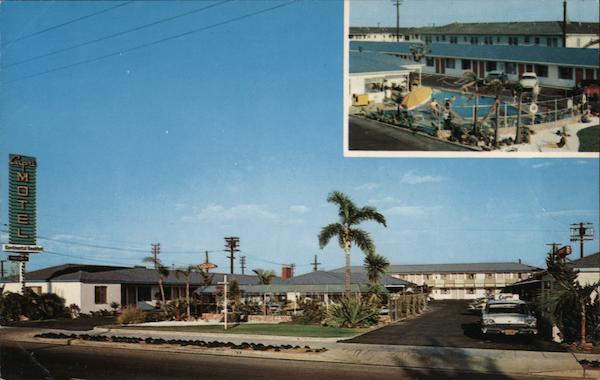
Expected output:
(529, 81)
(508, 317)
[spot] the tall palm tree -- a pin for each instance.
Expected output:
(496, 87)
(264, 278)
(187, 273)
(346, 232)
(163, 272)
(474, 81)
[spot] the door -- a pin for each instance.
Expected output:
(481, 69)
(578, 75)
(530, 68)
(443, 65)
(521, 69)
(437, 66)
(589, 73)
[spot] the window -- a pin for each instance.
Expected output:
(471, 276)
(513, 40)
(437, 38)
(541, 71)
(99, 295)
(490, 66)
(465, 39)
(35, 289)
(565, 72)
(406, 38)
(450, 63)
(466, 64)
(445, 291)
(489, 275)
(526, 39)
(510, 68)
(520, 275)
(429, 61)
(144, 293)
(498, 39)
(470, 291)
(443, 38)
(537, 40)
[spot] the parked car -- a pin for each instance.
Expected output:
(495, 75)
(508, 317)
(477, 305)
(529, 81)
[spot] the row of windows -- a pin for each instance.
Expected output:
(468, 276)
(489, 40)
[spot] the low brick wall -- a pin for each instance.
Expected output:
(212, 317)
(269, 318)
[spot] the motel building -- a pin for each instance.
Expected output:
(555, 67)
(374, 76)
(540, 33)
(461, 281)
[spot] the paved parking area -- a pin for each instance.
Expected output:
(448, 324)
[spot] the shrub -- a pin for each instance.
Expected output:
(74, 310)
(131, 314)
(312, 312)
(12, 306)
(114, 306)
(176, 309)
(47, 306)
(352, 312)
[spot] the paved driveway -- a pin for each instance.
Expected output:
(447, 324)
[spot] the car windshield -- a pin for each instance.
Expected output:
(505, 308)
(528, 77)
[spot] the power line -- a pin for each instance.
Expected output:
(65, 23)
(115, 34)
(156, 42)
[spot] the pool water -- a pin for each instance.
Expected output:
(463, 106)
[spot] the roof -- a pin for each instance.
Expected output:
(500, 267)
(508, 53)
(542, 28)
(318, 282)
(372, 62)
(589, 261)
(125, 275)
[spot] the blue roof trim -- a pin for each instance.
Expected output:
(373, 62)
(508, 53)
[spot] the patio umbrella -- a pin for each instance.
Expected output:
(417, 97)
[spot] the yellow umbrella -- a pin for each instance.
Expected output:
(417, 98)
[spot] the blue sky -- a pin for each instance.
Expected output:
(236, 130)
(440, 12)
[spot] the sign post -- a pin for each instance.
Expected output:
(224, 300)
(22, 220)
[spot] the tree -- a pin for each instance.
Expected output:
(186, 273)
(375, 266)
(346, 232)
(517, 91)
(568, 299)
(235, 294)
(496, 87)
(163, 272)
(264, 278)
(473, 80)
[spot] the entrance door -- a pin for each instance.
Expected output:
(578, 75)
(530, 68)
(589, 74)
(521, 68)
(437, 66)
(481, 69)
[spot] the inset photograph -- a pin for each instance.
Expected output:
(429, 78)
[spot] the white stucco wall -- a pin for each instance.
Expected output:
(113, 294)
(70, 291)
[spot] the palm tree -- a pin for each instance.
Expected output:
(163, 272)
(517, 90)
(496, 87)
(376, 266)
(264, 278)
(186, 273)
(473, 80)
(346, 232)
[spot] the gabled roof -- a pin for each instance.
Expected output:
(373, 62)
(125, 275)
(589, 261)
(501, 267)
(508, 53)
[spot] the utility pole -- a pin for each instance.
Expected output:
(397, 4)
(582, 232)
(564, 24)
(243, 264)
(232, 244)
(292, 266)
(155, 253)
(315, 264)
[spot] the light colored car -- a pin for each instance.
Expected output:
(477, 305)
(508, 317)
(495, 75)
(529, 81)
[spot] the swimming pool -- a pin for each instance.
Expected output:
(463, 106)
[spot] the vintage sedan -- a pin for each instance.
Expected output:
(508, 317)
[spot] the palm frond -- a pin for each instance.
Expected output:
(376, 266)
(362, 239)
(368, 213)
(328, 232)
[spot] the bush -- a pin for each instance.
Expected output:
(352, 312)
(131, 314)
(74, 310)
(14, 306)
(312, 312)
(176, 309)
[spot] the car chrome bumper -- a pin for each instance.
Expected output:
(511, 330)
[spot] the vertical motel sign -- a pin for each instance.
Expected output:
(22, 205)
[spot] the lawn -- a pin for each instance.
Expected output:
(313, 331)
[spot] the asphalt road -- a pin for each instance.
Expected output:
(373, 135)
(448, 324)
(44, 361)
